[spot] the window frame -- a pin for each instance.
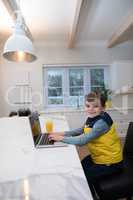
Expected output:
(65, 79)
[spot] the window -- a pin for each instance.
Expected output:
(55, 87)
(97, 79)
(76, 86)
(67, 86)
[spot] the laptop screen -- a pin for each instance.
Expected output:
(39, 139)
(35, 125)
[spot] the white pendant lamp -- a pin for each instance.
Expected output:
(19, 47)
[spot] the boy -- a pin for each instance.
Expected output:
(100, 135)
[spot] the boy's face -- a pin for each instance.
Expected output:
(93, 108)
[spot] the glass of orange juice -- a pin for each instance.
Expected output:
(49, 126)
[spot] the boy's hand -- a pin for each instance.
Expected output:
(56, 137)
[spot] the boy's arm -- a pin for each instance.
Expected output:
(74, 132)
(59, 136)
(100, 127)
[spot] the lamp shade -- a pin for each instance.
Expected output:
(19, 47)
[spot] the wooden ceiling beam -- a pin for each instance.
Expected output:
(124, 32)
(74, 25)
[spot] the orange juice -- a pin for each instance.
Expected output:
(49, 126)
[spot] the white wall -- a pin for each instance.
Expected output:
(11, 72)
(122, 83)
(122, 74)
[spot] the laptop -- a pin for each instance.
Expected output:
(40, 139)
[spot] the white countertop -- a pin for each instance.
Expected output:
(38, 174)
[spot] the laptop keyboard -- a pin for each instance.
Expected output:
(45, 140)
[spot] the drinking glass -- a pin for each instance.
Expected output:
(49, 126)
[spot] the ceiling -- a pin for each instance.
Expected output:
(72, 22)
